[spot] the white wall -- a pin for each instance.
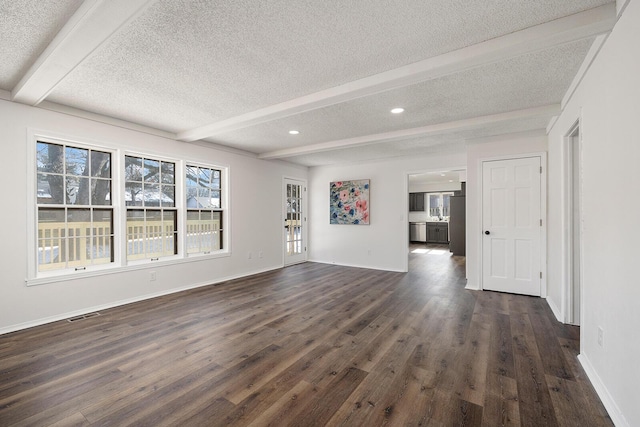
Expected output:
(433, 187)
(384, 243)
(607, 102)
(256, 225)
(486, 148)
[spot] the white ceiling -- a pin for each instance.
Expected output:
(243, 73)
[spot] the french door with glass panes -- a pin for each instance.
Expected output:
(295, 218)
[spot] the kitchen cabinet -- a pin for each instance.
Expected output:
(416, 202)
(437, 232)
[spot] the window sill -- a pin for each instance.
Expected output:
(136, 265)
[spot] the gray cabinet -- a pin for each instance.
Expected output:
(437, 232)
(416, 202)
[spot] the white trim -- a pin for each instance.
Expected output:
(33, 137)
(543, 213)
(120, 263)
(399, 135)
(568, 221)
(603, 393)
(555, 310)
(67, 315)
(132, 266)
(582, 71)
(95, 22)
(553, 33)
(305, 221)
(368, 267)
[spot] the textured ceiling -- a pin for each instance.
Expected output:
(26, 28)
(178, 65)
(535, 79)
(446, 143)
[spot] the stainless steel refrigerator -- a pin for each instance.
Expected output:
(457, 227)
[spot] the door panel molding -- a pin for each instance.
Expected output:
(543, 214)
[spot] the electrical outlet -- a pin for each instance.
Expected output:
(260, 254)
(152, 276)
(600, 337)
(249, 255)
(369, 252)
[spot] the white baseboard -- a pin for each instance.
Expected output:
(63, 316)
(610, 405)
(555, 310)
(356, 266)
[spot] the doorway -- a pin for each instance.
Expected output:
(512, 218)
(574, 221)
(295, 219)
(436, 215)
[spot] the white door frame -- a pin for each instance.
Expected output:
(568, 209)
(305, 221)
(543, 213)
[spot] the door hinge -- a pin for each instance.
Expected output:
(540, 169)
(541, 274)
(305, 249)
(540, 222)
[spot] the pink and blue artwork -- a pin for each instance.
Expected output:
(349, 202)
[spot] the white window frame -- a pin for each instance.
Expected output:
(32, 207)
(120, 264)
(224, 208)
(179, 184)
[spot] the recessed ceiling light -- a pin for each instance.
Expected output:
(450, 180)
(442, 174)
(397, 110)
(294, 132)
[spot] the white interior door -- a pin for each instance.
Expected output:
(511, 221)
(295, 219)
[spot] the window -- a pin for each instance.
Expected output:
(204, 209)
(152, 216)
(74, 212)
(99, 209)
(439, 205)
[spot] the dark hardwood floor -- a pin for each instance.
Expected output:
(308, 345)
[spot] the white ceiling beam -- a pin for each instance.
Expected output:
(582, 25)
(424, 131)
(91, 25)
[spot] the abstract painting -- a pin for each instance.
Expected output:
(349, 202)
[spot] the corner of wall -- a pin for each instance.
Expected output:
(554, 308)
(607, 400)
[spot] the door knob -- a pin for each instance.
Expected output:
(487, 232)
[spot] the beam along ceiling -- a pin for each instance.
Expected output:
(244, 73)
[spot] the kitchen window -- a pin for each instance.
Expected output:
(438, 205)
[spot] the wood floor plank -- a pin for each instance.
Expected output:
(501, 405)
(536, 407)
(307, 345)
(322, 408)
